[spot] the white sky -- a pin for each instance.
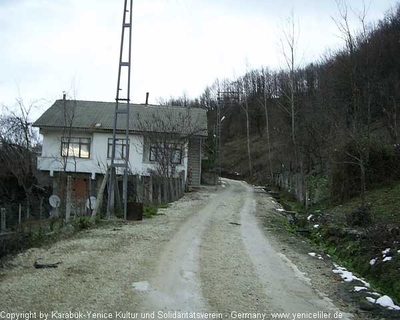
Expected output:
(51, 46)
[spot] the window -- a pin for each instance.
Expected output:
(176, 156)
(120, 148)
(153, 152)
(166, 151)
(75, 147)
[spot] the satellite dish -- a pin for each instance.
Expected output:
(54, 201)
(91, 203)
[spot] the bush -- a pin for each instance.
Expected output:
(149, 211)
(82, 223)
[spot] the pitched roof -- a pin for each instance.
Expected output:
(99, 116)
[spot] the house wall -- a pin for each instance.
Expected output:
(195, 160)
(51, 159)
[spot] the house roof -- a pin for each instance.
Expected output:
(99, 116)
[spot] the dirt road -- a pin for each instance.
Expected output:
(207, 253)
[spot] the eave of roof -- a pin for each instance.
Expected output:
(84, 115)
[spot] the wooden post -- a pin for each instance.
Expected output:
(166, 191)
(19, 214)
(27, 209)
(180, 189)
(68, 202)
(171, 187)
(117, 194)
(159, 190)
(151, 201)
(142, 192)
(3, 220)
(176, 187)
(41, 208)
(99, 197)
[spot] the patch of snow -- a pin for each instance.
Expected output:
(328, 256)
(375, 294)
(347, 275)
(273, 202)
(398, 251)
(387, 259)
(356, 288)
(387, 302)
(370, 299)
(280, 209)
(309, 217)
(141, 286)
(316, 226)
(373, 261)
(386, 251)
(313, 254)
(223, 186)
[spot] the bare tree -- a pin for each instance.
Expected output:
(267, 95)
(360, 82)
(166, 137)
(19, 144)
(288, 43)
(243, 87)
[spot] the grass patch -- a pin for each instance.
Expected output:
(384, 205)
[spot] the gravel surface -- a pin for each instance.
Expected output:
(212, 251)
(98, 266)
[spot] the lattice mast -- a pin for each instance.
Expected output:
(121, 115)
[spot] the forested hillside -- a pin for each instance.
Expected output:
(336, 118)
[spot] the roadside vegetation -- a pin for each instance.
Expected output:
(372, 251)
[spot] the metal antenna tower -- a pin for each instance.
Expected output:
(121, 115)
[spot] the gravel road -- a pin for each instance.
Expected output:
(211, 251)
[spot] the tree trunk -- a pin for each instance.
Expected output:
(248, 140)
(268, 136)
(99, 197)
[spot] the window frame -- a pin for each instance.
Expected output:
(172, 149)
(123, 145)
(79, 142)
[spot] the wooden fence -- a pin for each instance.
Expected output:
(155, 189)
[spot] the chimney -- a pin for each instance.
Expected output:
(64, 96)
(147, 98)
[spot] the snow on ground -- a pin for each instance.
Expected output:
(309, 217)
(347, 275)
(280, 209)
(387, 259)
(313, 254)
(356, 288)
(375, 294)
(384, 301)
(373, 261)
(385, 252)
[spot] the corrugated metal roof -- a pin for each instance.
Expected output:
(98, 116)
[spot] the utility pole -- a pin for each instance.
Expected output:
(226, 99)
(121, 115)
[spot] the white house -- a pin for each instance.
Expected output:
(77, 138)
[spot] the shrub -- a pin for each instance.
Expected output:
(149, 211)
(82, 222)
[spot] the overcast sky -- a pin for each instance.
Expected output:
(51, 46)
